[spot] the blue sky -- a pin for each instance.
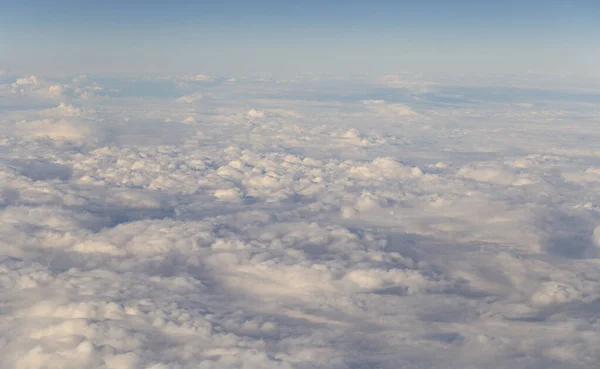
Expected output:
(235, 37)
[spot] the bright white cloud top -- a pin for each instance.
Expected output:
(394, 222)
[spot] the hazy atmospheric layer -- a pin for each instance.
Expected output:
(401, 221)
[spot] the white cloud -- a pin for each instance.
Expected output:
(62, 123)
(56, 90)
(197, 78)
(596, 236)
(192, 98)
(59, 129)
(25, 81)
(256, 113)
(390, 110)
(190, 120)
(415, 83)
(326, 236)
(503, 176)
(63, 110)
(228, 194)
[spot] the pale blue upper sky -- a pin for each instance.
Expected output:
(240, 37)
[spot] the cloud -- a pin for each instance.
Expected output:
(325, 236)
(383, 108)
(41, 88)
(26, 81)
(190, 98)
(503, 176)
(596, 236)
(229, 194)
(414, 83)
(63, 110)
(198, 78)
(60, 129)
(189, 120)
(256, 113)
(62, 123)
(56, 90)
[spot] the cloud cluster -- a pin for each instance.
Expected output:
(61, 123)
(42, 89)
(304, 232)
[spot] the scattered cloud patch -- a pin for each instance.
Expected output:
(198, 78)
(380, 107)
(190, 98)
(253, 113)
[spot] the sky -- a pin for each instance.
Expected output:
(299, 185)
(236, 38)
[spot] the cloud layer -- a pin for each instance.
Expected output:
(222, 225)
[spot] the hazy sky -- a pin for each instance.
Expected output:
(236, 37)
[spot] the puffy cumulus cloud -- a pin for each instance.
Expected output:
(256, 113)
(591, 174)
(189, 120)
(192, 98)
(596, 236)
(26, 81)
(126, 322)
(324, 236)
(415, 83)
(56, 90)
(229, 194)
(386, 168)
(373, 102)
(62, 123)
(64, 110)
(391, 110)
(366, 202)
(495, 175)
(197, 78)
(41, 88)
(355, 137)
(552, 293)
(60, 129)
(36, 87)
(27, 86)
